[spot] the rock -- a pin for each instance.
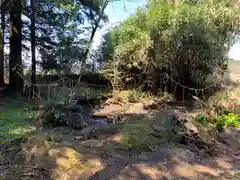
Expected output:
(190, 127)
(150, 104)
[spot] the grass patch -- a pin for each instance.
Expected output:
(13, 120)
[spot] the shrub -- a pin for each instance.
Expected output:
(201, 118)
(230, 120)
(190, 43)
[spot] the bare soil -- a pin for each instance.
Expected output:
(60, 155)
(91, 159)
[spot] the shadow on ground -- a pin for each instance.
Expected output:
(128, 150)
(88, 160)
(58, 154)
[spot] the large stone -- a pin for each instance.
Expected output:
(190, 127)
(150, 104)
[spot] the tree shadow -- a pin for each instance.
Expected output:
(90, 159)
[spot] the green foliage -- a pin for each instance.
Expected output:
(63, 28)
(201, 118)
(13, 122)
(192, 40)
(230, 120)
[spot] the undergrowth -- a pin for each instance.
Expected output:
(229, 120)
(221, 110)
(137, 95)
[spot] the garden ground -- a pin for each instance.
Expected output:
(142, 147)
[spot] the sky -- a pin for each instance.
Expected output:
(118, 11)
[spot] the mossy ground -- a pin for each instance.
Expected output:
(14, 115)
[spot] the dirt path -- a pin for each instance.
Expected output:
(93, 159)
(58, 154)
(169, 163)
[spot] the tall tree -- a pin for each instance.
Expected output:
(15, 37)
(2, 44)
(58, 29)
(33, 43)
(95, 26)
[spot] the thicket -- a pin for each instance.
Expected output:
(190, 44)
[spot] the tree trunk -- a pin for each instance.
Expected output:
(84, 58)
(15, 59)
(2, 83)
(33, 45)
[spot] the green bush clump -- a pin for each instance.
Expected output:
(229, 120)
(190, 44)
(224, 121)
(201, 118)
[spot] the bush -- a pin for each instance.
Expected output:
(190, 43)
(201, 118)
(230, 120)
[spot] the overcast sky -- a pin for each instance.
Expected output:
(118, 11)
